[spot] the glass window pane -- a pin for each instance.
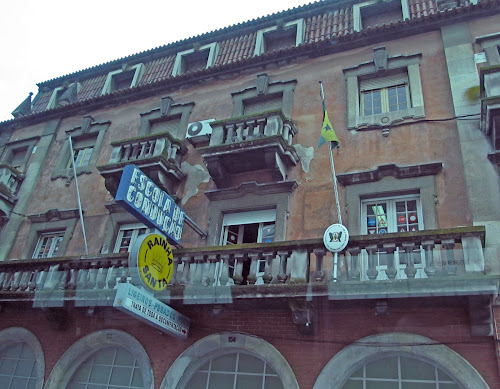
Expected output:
(381, 385)
(137, 379)
(448, 386)
(105, 356)
(418, 385)
(198, 381)
(221, 381)
(273, 383)
(82, 374)
(250, 364)
(385, 368)
(121, 376)
(224, 363)
(415, 369)
(124, 358)
(352, 384)
(442, 376)
(24, 367)
(248, 381)
(100, 374)
(7, 366)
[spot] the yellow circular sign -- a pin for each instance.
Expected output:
(155, 262)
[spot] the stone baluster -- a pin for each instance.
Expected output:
(101, 276)
(2, 278)
(125, 272)
(390, 249)
(83, 275)
(372, 271)
(224, 273)
(91, 283)
(239, 257)
(198, 269)
(231, 131)
(353, 269)
(127, 150)
(410, 270)
(73, 275)
(174, 148)
(112, 276)
(185, 270)
(14, 285)
(141, 150)
(239, 132)
(449, 246)
(63, 278)
(7, 280)
(319, 274)
(252, 129)
(173, 278)
(25, 278)
(151, 148)
(209, 278)
(254, 262)
(282, 276)
(42, 277)
(430, 266)
(32, 280)
(287, 132)
(261, 126)
(268, 276)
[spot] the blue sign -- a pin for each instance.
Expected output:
(139, 195)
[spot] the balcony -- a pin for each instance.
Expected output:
(157, 155)
(249, 144)
(10, 182)
(490, 108)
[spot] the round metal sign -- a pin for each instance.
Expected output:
(151, 261)
(336, 238)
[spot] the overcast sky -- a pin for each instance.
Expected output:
(45, 39)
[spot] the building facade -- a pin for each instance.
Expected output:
(227, 123)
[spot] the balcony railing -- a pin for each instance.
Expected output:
(451, 263)
(10, 177)
(157, 154)
(252, 127)
(490, 108)
(249, 144)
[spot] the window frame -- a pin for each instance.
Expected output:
(357, 10)
(95, 130)
(260, 43)
(135, 227)
(491, 46)
(213, 51)
(409, 64)
(53, 244)
(28, 144)
(182, 110)
(138, 73)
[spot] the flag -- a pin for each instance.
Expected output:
(327, 132)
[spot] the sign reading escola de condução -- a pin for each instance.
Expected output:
(151, 262)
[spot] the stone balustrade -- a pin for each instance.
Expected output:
(10, 177)
(439, 254)
(136, 149)
(251, 127)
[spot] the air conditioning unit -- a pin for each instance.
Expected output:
(198, 132)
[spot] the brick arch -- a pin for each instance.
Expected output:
(216, 345)
(365, 351)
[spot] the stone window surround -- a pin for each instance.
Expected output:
(95, 130)
(247, 197)
(55, 94)
(80, 351)
(285, 87)
(356, 11)
(41, 225)
(490, 44)
(390, 185)
(353, 357)
(158, 115)
(409, 63)
(14, 335)
(183, 368)
(138, 72)
(260, 40)
(29, 143)
(213, 51)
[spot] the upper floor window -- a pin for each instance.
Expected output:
(126, 77)
(18, 367)
(288, 35)
(249, 227)
(491, 46)
(195, 59)
(64, 95)
(82, 151)
(48, 244)
(384, 94)
(378, 12)
(17, 153)
(127, 234)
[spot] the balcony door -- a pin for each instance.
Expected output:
(388, 215)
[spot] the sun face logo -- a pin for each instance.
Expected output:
(155, 262)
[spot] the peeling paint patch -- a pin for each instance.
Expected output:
(195, 176)
(306, 155)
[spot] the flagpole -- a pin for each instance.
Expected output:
(72, 156)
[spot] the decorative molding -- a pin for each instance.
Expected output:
(410, 171)
(251, 187)
(54, 214)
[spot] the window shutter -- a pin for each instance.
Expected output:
(383, 82)
(262, 104)
(261, 216)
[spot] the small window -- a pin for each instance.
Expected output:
(193, 60)
(127, 234)
(17, 158)
(288, 35)
(172, 125)
(384, 94)
(381, 13)
(122, 80)
(127, 77)
(48, 244)
(81, 156)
